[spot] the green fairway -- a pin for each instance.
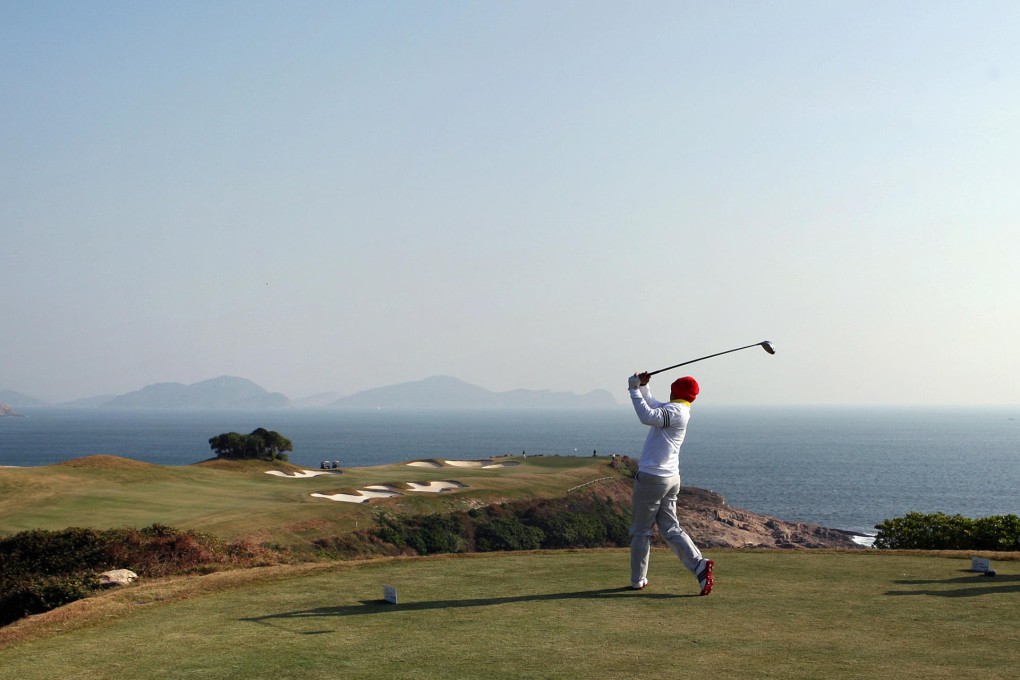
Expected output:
(238, 500)
(784, 614)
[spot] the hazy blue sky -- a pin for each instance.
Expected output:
(335, 196)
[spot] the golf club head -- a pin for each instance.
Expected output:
(767, 346)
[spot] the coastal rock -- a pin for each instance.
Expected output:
(7, 412)
(117, 577)
(712, 523)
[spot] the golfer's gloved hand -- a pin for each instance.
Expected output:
(644, 378)
(633, 382)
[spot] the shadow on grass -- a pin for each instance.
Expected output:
(383, 607)
(976, 585)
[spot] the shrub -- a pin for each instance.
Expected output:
(425, 534)
(39, 552)
(580, 522)
(576, 521)
(998, 532)
(507, 533)
(355, 545)
(37, 594)
(40, 570)
(939, 531)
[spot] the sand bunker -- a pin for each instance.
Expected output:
(487, 464)
(434, 487)
(362, 496)
(387, 491)
(484, 464)
(300, 474)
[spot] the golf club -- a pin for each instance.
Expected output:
(764, 344)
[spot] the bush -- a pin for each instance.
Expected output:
(35, 595)
(998, 532)
(40, 570)
(507, 533)
(355, 545)
(41, 552)
(577, 521)
(584, 522)
(424, 534)
(939, 531)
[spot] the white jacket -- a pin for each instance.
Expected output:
(668, 426)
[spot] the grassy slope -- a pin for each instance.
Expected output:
(238, 500)
(779, 614)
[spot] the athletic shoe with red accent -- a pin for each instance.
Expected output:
(705, 579)
(640, 584)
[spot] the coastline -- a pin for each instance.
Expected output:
(842, 468)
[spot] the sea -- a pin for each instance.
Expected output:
(845, 468)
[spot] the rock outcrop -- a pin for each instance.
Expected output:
(712, 523)
(117, 577)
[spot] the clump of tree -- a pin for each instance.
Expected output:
(261, 444)
(939, 531)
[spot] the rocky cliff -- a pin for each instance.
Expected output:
(712, 523)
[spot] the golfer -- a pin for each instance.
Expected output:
(657, 482)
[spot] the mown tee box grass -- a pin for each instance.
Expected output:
(560, 614)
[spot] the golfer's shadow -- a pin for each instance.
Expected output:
(975, 585)
(383, 607)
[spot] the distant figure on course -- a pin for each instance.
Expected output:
(657, 482)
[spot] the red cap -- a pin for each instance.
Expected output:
(685, 388)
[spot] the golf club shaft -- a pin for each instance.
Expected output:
(669, 368)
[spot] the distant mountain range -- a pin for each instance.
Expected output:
(19, 400)
(444, 392)
(228, 392)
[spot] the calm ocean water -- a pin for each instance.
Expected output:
(843, 468)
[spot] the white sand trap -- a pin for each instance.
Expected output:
(362, 497)
(425, 463)
(435, 487)
(509, 463)
(466, 463)
(301, 474)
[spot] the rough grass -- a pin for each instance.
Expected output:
(564, 614)
(106, 463)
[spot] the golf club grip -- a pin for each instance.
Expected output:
(670, 368)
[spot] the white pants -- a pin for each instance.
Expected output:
(654, 503)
